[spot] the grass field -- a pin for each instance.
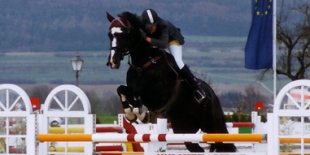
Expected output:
(214, 39)
(107, 119)
(216, 59)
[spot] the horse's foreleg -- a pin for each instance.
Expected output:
(122, 91)
(127, 109)
(142, 115)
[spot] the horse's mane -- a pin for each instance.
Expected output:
(136, 23)
(133, 19)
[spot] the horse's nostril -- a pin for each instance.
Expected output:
(114, 66)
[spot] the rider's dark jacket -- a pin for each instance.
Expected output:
(165, 32)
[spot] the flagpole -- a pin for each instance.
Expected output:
(271, 148)
(274, 48)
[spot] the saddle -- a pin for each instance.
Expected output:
(168, 58)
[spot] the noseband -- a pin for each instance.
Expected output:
(123, 54)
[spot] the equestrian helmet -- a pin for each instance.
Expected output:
(149, 17)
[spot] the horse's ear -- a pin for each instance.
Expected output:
(123, 17)
(110, 17)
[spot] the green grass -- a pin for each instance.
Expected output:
(107, 119)
(214, 39)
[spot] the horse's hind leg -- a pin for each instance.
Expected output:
(193, 147)
(214, 121)
(126, 98)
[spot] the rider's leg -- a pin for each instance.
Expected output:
(199, 93)
(176, 50)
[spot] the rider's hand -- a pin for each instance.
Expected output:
(143, 35)
(148, 39)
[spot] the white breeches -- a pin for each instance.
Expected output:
(176, 51)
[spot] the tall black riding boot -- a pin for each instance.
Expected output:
(199, 93)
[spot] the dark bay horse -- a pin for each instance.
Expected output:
(153, 82)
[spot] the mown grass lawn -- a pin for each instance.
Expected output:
(107, 119)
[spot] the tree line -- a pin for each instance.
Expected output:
(109, 103)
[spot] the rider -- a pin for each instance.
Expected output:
(163, 34)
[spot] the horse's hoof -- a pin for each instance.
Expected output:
(129, 115)
(136, 110)
(134, 120)
(146, 118)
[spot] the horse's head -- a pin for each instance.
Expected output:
(119, 34)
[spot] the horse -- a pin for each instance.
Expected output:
(152, 80)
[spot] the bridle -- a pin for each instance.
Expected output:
(122, 54)
(127, 27)
(127, 50)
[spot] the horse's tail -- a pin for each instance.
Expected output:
(213, 111)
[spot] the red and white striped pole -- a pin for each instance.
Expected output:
(170, 138)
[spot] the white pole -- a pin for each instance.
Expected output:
(274, 48)
(270, 135)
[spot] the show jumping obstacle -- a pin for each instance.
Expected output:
(66, 126)
(140, 138)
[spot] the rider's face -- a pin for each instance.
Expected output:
(152, 29)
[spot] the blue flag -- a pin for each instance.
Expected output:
(258, 49)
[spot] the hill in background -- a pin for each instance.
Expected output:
(76, 25)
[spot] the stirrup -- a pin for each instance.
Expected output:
(199, 96)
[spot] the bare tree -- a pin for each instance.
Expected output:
(239, 103)
(251, 97)
(113, 105)
(40, 91)
(95, 101)
(293, 35)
